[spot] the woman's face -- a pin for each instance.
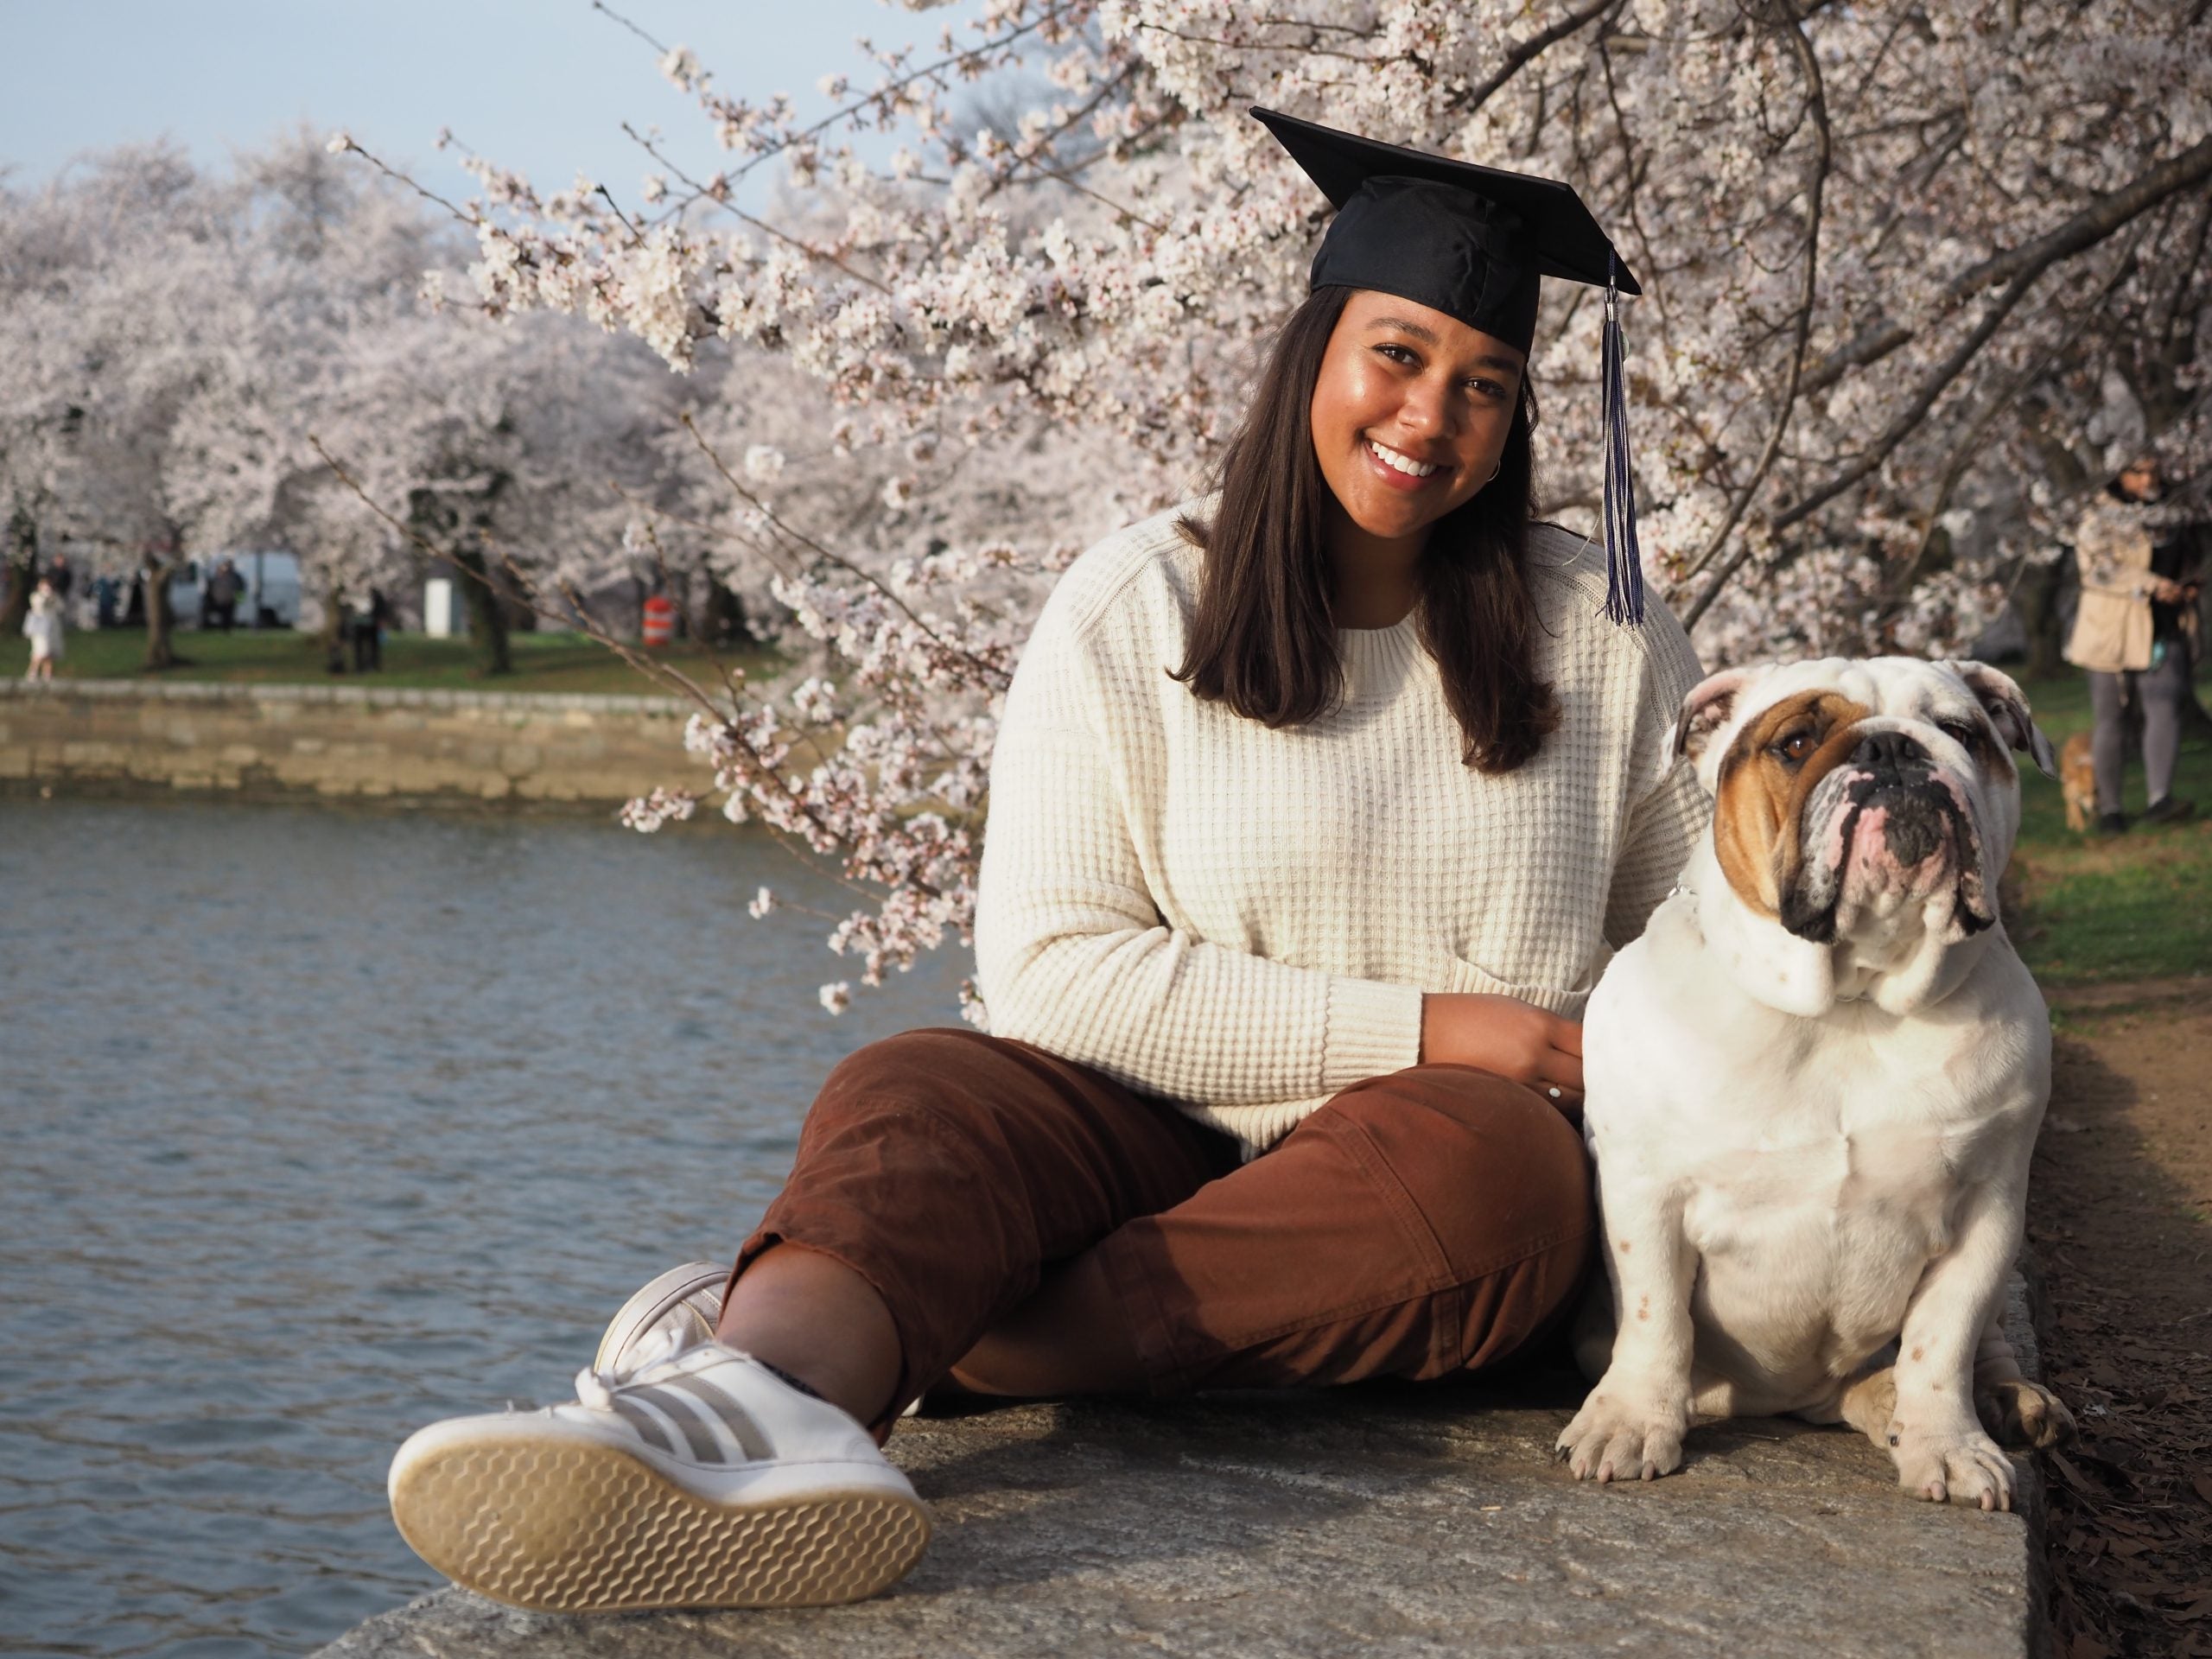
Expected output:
(1410, 412)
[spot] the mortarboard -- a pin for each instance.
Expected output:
(1474, 242)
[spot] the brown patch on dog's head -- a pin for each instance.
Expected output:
(1770, 770)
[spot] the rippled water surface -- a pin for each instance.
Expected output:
(318, 1127)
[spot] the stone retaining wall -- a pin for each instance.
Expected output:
(339, 742)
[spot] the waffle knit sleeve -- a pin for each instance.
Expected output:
(1072, 953)
(1665, 823)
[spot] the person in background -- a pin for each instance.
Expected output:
(42, 627)
(2134, 633)
(365, 624)
(224, 588)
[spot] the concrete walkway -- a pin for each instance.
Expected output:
(1376, 1521)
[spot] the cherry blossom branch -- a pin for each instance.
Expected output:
(1906, 422)
(2085, 229)
(1523, 52)
(1801, 326)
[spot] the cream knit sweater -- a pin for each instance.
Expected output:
(1244, 920)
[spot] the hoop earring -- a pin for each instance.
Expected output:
(1496, 470)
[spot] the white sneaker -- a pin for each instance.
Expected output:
(702, 1480)
(687, 1299)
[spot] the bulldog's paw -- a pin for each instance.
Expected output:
(2022, 1413)
(1954, 1468)
(1613, 1438)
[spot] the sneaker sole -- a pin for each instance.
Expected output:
(566, 1526)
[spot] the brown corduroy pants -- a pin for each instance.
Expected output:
(1422, 1224)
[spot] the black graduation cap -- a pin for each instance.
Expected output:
(1474, 242)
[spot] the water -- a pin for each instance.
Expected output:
(319, 1126)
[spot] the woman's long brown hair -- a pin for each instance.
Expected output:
(1263, 638)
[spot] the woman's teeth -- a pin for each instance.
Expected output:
(1399, 463)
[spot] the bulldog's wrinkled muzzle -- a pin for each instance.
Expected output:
(1887, 831)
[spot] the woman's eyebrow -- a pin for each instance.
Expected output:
(1419, 331)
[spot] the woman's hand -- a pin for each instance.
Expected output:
(1510, 1037)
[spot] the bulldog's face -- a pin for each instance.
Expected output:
(1869, 804)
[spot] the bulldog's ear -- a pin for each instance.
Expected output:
(2006, 705)
(1709, 706)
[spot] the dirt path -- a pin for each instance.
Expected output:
(2122, 1217)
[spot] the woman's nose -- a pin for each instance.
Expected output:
(1426, 408)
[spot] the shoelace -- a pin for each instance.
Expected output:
(596, 1389)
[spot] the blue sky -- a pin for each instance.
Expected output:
(541, 85)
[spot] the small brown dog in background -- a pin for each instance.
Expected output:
(2077, 781)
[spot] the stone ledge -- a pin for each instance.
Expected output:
(368, 696)
(388, 748)
(1386, 1521)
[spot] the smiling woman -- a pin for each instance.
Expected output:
(1315, 810)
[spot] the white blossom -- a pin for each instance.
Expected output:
(1002, 341)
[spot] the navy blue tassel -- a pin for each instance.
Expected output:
(1624, 559)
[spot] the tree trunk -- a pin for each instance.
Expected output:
(488, 614)
(2037, 600)
(22, 572)
(333, 628)
(160, 653)
(22, 576)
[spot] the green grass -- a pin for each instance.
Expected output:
(544, 662)
(2134, 906)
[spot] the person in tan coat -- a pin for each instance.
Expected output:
(2134, 635)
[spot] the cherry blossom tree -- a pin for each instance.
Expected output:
(1915, 276)
(179, 341)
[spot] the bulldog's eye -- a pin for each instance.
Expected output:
(1794, 748)
(1961, 732)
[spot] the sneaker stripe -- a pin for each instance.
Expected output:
(751, 1442)
(679, 1411)
(647, 1425)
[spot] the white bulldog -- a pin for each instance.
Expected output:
(1813, 1084)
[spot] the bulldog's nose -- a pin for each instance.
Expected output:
(1880, 752)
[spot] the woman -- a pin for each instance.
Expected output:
(2133, 635)
(42, 627)
(1315, 810)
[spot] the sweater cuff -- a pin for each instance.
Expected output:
(1373, 1030)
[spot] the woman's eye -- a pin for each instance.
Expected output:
(1397, 354)
(1795, 748)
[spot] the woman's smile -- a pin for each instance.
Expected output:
(1400, 470)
